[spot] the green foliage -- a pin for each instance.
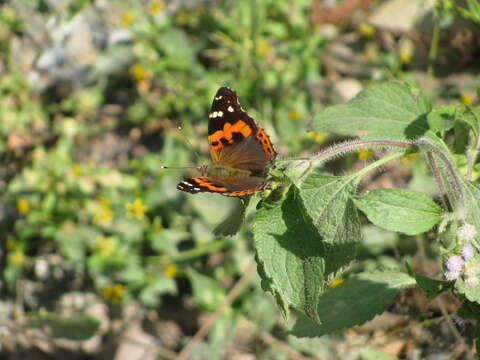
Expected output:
(77, 327)
(386, 111)
(353, 302)
(406, 211)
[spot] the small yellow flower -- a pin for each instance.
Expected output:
(364, 154)
(127, 18)
(105, 216)
(318, 136)
(104, 244)
(113, 293)
(76, 170)
(157, 227)
(294, 115)
(23, 206)
(466, 98)
(137, 209)
(17, 257)
(171, 270)
(138, 72)
(155, 6)
(365, 29)
(262, 47)
(335, 282)
(408, 158)
(405, 55)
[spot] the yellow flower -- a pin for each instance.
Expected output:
(105, 216)
(294, 115)
(113, 293)
(105, 246)
(17, 257)
(365, 29)
(137, 209)
(171, 270)
(155, 6)
(409, 157)
(262, 47)
(335, 282)
(318, 136)
(466, 98)
(138, 72)
(23, 206)
(76, 169)
(127, 18)
(405, 55)
(364, 154)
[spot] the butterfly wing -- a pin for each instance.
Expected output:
(234, 137)
(227, 187)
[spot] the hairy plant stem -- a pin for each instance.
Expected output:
(472, 154)
(455, 189)
(446, 176)
(439, 179)
(338, 150)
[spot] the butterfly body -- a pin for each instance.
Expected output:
(240, 150)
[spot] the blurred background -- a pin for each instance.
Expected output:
(101, 256)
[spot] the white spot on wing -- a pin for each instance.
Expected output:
(220, 113)
(218, 97)
(230, 109)
(196, 189)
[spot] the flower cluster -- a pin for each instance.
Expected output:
(463, 265)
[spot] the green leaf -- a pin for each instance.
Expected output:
(327, 200)
(470, 115)
(76, 327)
(150, 296)
(471, 207)
(387, 111)
(407, 211)
(290, 254)
(432, 287)
(206, 291)
(442, 118)
(354, 302)
(472, 293)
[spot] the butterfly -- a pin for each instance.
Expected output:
(239, 148)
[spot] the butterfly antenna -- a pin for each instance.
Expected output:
(190, 145)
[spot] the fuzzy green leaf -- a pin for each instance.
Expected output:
(407, 211)
(442, 118)
(432, 287)
(290, 253)
(327, 201)
(470, 115)
(354, 302)
(312, 234)
(387, 111)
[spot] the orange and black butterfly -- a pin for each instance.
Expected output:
(240, 150)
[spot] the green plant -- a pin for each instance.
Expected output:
(306, 238)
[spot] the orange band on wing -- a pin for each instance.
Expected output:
(227, 133)
(208, 184)
(266, 142)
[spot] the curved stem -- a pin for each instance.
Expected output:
(455, 189)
